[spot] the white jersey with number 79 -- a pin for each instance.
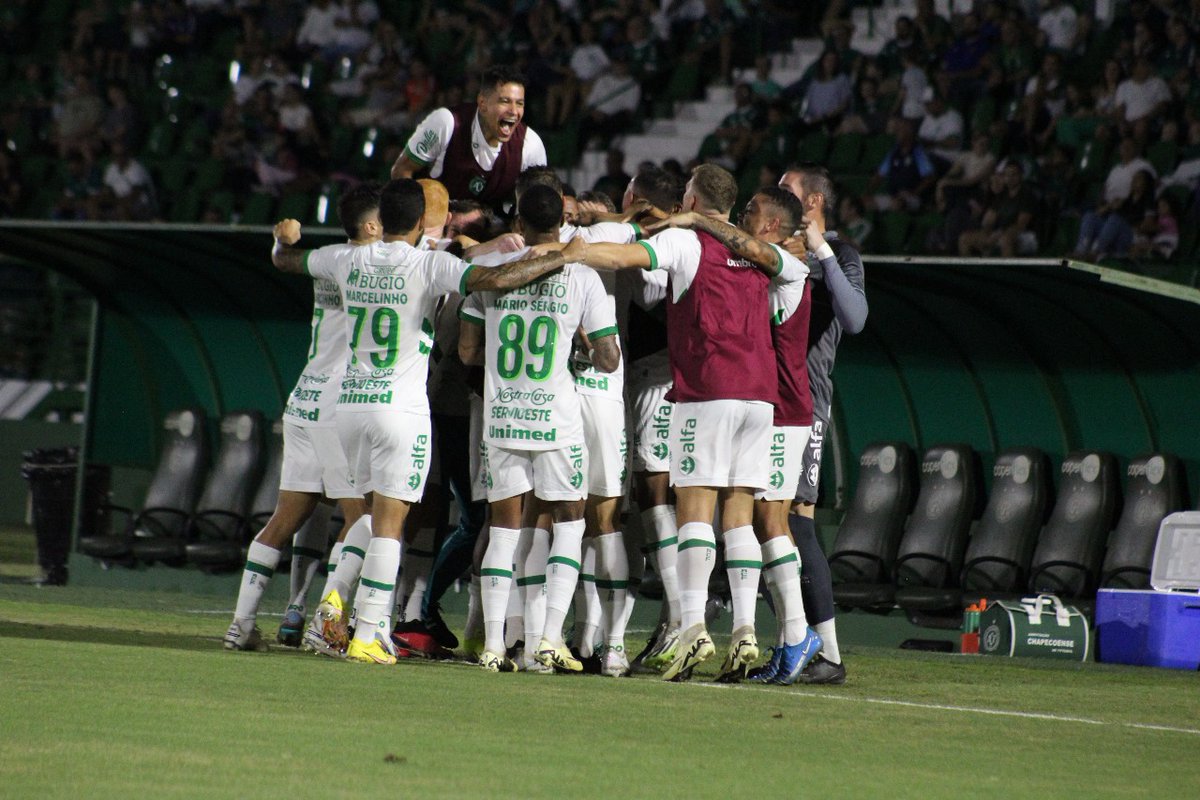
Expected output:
(529, 394)
(390, 290)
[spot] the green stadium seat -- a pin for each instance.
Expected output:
(173, 176)
(875, 149)
(1163, 156)
(813, 147)
(221, 202)
(160, 141)
(209, 174)
(185, 206)
(892, 232)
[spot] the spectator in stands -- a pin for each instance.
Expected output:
(941, 131)
(128, 190)
(732, 140)
(905, 174)
(317, 34)
(907, 39)
(969, 170)
(1104, 93)
(764, 87)
(712, 40)
(870, 113)
(615, 179)
(962, 76)
(352, 28)
(612, 102)
(1011, 63)
(588, 59)
(1109, 229)
(1158, 237)
(79, 117)
(1179, 53)
(914, 83)
(121, 120)
(934, 30)
(829, 94)
(1007, 223)
(1057, 26)
(1140, 100)
(1119, 182)
(854, 226)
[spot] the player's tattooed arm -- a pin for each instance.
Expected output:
(285, 255)
(606, 353)
(603, 255)
(756, 251)
(513, 274)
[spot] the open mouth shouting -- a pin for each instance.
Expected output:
(506, 125)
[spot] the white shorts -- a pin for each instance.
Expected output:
(477, 456)
(651, 423)
(604, 439)
(388, 451)
(786, 462)
(314, 462)
(721, 443)
(557, 474)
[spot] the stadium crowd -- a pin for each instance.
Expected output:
(215, 109)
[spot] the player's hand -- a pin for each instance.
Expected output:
(812, 235)
(683, 220)
(796, 246)
(510, 242)
(576, 251)
(636, 209)
(287, 231)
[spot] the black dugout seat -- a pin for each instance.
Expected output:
(1155, 488)
(863, 557)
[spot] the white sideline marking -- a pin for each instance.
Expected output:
(961, 709)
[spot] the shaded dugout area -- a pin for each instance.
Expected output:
(994, 354)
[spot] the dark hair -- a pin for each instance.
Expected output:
(662, 189)
(401, 206)
(716, 188)
(816, 180)
(597, 197)
(499, 75)
(487, 227)
(538, 176)
(788, 207)
(540, 209)
(356, 204)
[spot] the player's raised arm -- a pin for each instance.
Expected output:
(284, 255)
(756, 251)
(603, 255)
(513, 274)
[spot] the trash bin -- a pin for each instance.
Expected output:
(51, 474)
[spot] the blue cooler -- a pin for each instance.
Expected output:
(1147, 627)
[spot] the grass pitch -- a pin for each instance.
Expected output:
(122, 694)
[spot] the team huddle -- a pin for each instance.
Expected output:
(498, 370)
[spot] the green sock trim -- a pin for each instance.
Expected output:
(307, 552)
(583, 576)
(261, 569)
(661, 543)
(790, 558)
(688, 544)
(531, 580)
(355, 551)
(612, 584)
(564, 560)
(330, 566)
(387, 587)
(736, 564)
(491, 572)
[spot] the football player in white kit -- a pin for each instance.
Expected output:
(532, 423)
(390, 289)
(313, 462)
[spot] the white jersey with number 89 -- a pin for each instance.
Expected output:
(390, 290)
(529, 394)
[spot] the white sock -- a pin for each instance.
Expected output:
(534, 587)
(612, 582)
(779, 570)
(495, 576)
(589, 623)
(261, 561)
(827, 630)
(350, 558)
(308, 548)
(474, 626)
(697, 554)
(414, 578)
(376, 588)
(743, 565)
(661, 521)
(514, 616)
(562, 573)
